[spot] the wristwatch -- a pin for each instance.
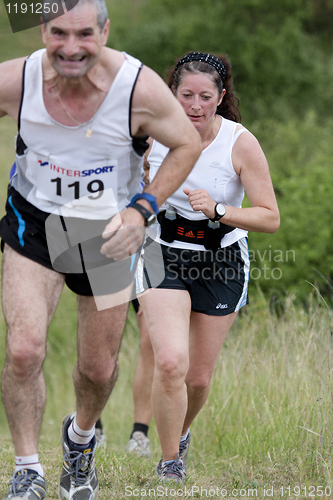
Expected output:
(220, 211)
(149, 217)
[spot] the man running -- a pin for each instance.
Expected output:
(83, 112)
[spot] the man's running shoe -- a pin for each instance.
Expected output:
(183, 449)
(26, 484)
(139, 444)
(78, 479)
(172, 470)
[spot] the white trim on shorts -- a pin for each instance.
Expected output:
(139, 276)
(244, 248)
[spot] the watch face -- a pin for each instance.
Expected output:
(220, 209)
(151, 219)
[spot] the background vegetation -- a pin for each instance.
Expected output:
(268, 420)
(267, 424)
(282, 65)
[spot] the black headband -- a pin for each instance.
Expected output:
(207, 58)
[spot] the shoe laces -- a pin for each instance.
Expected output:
(184, 444)
(78, 466)
(22, 481)
(175, 468)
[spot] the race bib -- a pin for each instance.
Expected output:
(83, 187)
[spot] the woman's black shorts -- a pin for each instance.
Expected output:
(217, 281)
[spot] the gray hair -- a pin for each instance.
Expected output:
(102, 12)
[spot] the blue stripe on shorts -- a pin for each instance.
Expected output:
(21, 222)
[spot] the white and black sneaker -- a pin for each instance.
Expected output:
(26, 484)
(138, 444)
(183, 449)
(78, 479)
(172, 470)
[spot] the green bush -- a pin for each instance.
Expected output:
(279, 68)
(300, 155)
(283, 79)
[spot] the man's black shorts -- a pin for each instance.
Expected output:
(23, 229)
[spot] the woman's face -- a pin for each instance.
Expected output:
(199, 97)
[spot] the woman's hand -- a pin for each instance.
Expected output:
(200, 200)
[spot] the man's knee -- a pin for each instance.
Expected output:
(99, 373)
(25, 356)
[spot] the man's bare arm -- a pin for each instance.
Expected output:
(11, 73)
(157, 113)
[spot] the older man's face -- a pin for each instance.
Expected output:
(74, 41)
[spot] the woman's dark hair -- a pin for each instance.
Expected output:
(229, 107)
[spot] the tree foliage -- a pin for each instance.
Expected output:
(278, 66)
(281, 53)
(300, 156)
(282, 67)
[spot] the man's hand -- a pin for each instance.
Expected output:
(125, 234)
(200, 200)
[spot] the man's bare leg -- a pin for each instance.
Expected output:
(30, 294)
(95, 373)
(99, 339)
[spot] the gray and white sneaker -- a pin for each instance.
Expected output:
(78, 479)
(139, 444)
(172, 470)
(183, 449)
(26, 484)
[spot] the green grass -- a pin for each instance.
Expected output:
(14, 45)
(267, 422)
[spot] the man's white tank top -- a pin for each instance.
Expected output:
(214, 172)
(92, 177)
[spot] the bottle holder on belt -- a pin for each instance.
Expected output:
(192, 231)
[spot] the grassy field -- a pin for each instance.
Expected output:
(266, 428)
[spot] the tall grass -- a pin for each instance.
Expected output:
(267, 422)
(272, 389)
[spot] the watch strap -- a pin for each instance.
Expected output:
(143, 211)
(148, 197)
(217, 216)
